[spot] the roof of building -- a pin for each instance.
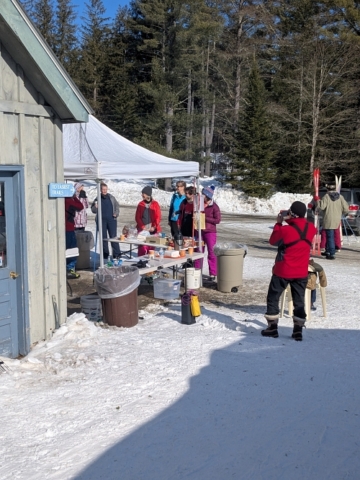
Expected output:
(29, 49)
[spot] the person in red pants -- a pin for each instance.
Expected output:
(337, 238)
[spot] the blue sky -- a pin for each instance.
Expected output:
(110, 5)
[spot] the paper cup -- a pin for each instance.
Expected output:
(151, 254)
(190, 250)
(182, 253)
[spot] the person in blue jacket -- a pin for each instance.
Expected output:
(174, 209)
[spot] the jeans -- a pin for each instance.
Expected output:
(70, 242)
(330, 242)
(109, 225)
(276, 288)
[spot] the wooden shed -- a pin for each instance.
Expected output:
(36, 97)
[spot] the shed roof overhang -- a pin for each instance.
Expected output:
(28, 48)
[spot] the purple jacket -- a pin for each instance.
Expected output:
(212, 217)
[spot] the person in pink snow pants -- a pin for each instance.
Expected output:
(208, 235)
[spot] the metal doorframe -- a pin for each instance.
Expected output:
(23, 311)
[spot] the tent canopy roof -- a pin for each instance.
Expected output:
(93, 151)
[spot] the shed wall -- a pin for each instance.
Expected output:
(31, 135)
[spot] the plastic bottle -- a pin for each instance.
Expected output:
(161, 254)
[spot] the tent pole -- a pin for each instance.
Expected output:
(99, 223)
(199, 212)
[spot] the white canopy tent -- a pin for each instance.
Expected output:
(92, 151)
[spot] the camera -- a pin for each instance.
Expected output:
(284, 213)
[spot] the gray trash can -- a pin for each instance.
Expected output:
(85, 242)
(230, 262)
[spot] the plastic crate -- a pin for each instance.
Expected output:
(166, 289)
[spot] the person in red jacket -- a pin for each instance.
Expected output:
(147, 216)
(72, 205)
(291, 267)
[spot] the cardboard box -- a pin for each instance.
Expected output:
(156, 240)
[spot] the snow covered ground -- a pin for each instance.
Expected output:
(214, 400)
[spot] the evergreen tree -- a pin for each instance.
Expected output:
(120, 110)
(65, 34)
(43, 16)
(93, 54)
(254, 151)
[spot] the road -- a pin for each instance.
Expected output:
(252, 234)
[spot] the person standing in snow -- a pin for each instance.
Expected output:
(208, 235)
(81, 216)
(334, 206)
(147, 217)
(72, 205)
(174, 209)
(186, 215)
(109, 212)
(291, 268)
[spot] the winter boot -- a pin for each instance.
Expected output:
(271, 330)
(297, 331)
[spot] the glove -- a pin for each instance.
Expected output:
(82, 194)
(316, 198)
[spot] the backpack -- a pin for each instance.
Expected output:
(282, 248)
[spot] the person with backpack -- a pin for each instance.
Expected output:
(291, 267)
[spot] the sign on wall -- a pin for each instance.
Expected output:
(61, 190)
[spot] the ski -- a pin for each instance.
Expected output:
(338, 183)
(315, 250)
(338, 189)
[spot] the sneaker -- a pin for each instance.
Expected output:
(337, 250)
(324, 254)
(330, 257)
(72, 274)
(213, 278)
(297, 333)
(313, 308)
(270, 331)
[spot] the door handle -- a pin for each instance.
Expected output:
(14, 275)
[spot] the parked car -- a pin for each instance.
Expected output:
(352, 197)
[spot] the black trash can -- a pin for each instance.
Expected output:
(117, 288)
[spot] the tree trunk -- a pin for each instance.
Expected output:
(189, 118)
(168, 128)
(317, 91)
(167, 186)
(238, 68)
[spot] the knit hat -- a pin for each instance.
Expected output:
(298, 209)
(147, 191)
(208, 191)
(77, 185)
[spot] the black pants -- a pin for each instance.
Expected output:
(109, 225)
(276, 288)
(174, 228)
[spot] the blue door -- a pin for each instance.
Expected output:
(10, 277)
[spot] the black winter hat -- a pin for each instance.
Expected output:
(298, 209)
(147, 191)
